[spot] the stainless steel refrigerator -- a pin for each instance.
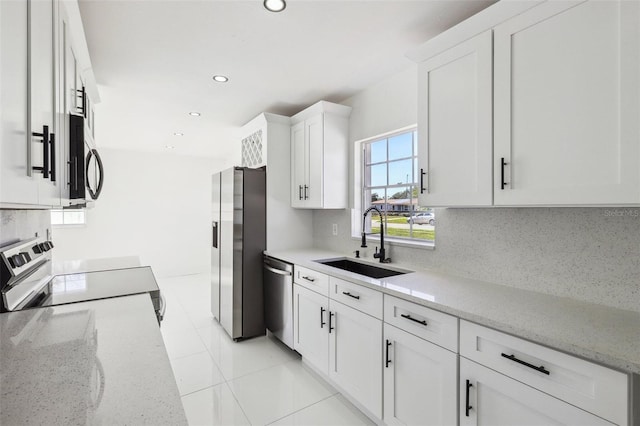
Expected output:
(238, 241)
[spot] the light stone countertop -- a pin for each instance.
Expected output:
(598, 333)
(99, 363)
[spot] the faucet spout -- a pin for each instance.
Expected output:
(381, 254)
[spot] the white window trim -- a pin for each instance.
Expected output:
(70, 225)
(356, 212)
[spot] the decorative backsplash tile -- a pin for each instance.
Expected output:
(22, 224)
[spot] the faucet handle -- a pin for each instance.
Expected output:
(357, 252)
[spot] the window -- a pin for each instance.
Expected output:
(68, 217)
(389, 183)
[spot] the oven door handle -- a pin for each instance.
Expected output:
(163, 306)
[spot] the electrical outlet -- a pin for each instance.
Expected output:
(335, 229)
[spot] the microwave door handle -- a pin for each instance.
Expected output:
(101, 171)
(96, 194)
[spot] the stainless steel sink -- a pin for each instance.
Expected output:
(361, 268)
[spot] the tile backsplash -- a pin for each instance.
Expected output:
(589, 254)
(22, 224)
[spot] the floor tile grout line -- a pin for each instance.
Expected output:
(246, 416)
(300, 409)
(261, 370)
(202, 389)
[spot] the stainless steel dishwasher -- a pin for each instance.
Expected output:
(278, 299)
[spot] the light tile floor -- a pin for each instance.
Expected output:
(257, 381)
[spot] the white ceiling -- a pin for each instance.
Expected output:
(153, 61)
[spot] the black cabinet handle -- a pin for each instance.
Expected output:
(82, 93)
(346, 293)
(306, 196)
(387, 361)
(502, 164)
(422, 188)
(308, 279)
(299, 192)
(52, 141)
(423, 322)
(45, 151)
(322, 323)
(519, 361)
(467, 407)
(331, 327)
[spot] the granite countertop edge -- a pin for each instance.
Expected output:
(597, 333)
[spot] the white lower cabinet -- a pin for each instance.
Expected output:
(341, 342)
(419, 381)
(490, 398)
(311, 327)
(355, 360)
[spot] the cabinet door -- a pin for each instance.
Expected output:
(455, 129)
(16, 184)
(314, 140)
(420, 381)
(298, 165)
(42, 96)
(311, 327)
(567, 101)
(355, 360)
(495, 399)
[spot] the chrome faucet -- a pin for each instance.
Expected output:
(378, 254)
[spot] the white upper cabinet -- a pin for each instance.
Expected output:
(563, 106)
(35, 60)
(566, 105)
(454, 127)
(17, 184)
(319, 169)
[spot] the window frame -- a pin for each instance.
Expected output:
(359, 192)
(69, 225)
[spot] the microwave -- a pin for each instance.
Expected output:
(86, 170)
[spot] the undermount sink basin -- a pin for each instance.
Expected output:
(361, 268)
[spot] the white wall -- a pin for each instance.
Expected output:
(154, 205)
(589, 254)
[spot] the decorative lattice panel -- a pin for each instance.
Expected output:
(252, 155)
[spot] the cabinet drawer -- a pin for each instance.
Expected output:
(362, 298)
(596, 389)
(315, 281)
(434, 326)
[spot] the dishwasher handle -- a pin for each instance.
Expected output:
(276, 271)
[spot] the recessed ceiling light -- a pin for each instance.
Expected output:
(178, 134)
(275, 5)
(169, 146)
(194, 114)
(220, 78)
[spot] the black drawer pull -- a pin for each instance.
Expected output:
(331, 327)
(309, 279)
(467, 406)
(322, 323)
(519, 361)
(387, 361)
(423, 322)
(346, 293)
